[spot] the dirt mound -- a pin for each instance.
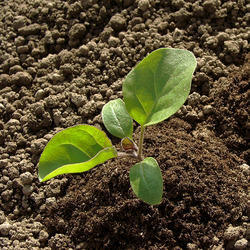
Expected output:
(204, 191)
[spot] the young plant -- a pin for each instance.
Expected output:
(153, 91)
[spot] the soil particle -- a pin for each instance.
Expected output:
(245, 169)
(241, 244)
(232, 233)
(194, 99)
(60, 241)
(32, 29)
(118, 22)
(21, 78)
(76, 33)
(5, 228)
(143, 5)
(208, 109)
(233, 238)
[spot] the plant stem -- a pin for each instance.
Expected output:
(140, 157)
(124, 154)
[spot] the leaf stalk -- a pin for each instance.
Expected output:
(125, 154)
(140, 156)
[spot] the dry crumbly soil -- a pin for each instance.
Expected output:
(61, 61)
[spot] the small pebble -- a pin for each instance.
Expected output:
(143, 5)
(27, 190)
(241, 244)
(5, 228)
(26, 178)
(39, 94)
(194, 99)
(208, 109)
(43, 236)
(245, 169)
(2, 217)
(232, 233)
(118, 22)
(191, 246)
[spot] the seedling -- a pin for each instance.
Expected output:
(153, 91)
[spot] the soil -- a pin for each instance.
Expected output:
(61, 61)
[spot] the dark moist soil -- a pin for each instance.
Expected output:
(203, 191)
(61, 61)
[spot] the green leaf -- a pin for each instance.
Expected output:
(146, 181)
(128, 145)
(159, 85)
(74, 150)
(117, 119)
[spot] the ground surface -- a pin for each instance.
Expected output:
(61, 61)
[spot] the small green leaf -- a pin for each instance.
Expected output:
(128, 145)
(146, 181)
(74, 150)
(159, 85)
(117, 119)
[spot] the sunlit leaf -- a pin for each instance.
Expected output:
(159, 85)
(74, 150)
(116, 119)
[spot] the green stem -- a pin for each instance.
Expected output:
(140, 157)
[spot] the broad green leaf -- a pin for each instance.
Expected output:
(74, 150)
(146, 181)
(159, 85)
(117, 119)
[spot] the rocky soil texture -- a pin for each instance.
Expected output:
(61, 61)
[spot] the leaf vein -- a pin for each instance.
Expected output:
(120, 127)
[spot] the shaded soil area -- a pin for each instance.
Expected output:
(204, 191)
(61, 61)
